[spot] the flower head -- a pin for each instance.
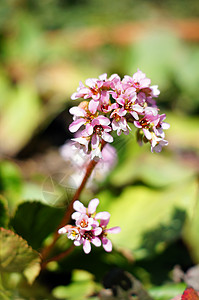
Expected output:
(112, 103)
(90, 228)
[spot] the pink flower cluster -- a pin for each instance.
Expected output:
(110, 104)
(90, 227)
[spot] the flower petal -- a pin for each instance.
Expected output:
(75, 215)
(62, 230)
(107, 245)
(75, 125)
(116, 229)
(96, 241)
(97, 231)
(77, 111)
(107, 137)
(93, 205)
(103, 217)
(93, 105)
(78, 206)
(86, 246)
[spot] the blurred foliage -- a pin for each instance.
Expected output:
(46, 47)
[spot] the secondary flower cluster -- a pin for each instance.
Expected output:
(89, 227)
(110, 104)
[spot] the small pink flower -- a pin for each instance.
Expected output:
(84, 222)
(82, 92)
(74, 234)
(119, 123)
(81, 117)
(138, 80)
(88, 230)
(128, 102)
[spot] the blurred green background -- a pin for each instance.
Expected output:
(46, 48)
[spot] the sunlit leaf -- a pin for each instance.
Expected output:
(82, 285)
(167, 291)
(4, 218)
(23, 107)
(149, 219)
(190, 233)
(17, 256)
(10, 183)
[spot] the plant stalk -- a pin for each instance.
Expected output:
(45, 252)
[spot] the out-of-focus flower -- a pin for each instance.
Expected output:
(79, 160)
(89, 227)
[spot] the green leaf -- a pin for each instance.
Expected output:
(10, 183)
(22, 107)
(4, 217)
(183, 131)
(190, 233)
(149, 219)
(81, 287)
(142, 167)
(34, 221)
(167, 291)
(15, 286)
(17, 256)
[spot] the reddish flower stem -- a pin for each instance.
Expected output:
(45, 252)
(57, 257)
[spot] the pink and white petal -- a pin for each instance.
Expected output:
(147, 134)
(122, 124)
(137, 124)
(115, 125)
(157, 148)
(104, 218)
(93, 105)
(103, 76)
(107, 245)
(138, 108)
(155, 91)
(107, 137)
(97, 231)
(145, 82)
(89, 129)
(76, 215)
(114, 230)
(95, 224)
(77, 243)
(74, 96)
(78, 206)
(62, 230)
(107, 128)
(103, 120)
(121, 101)
(122, 112)
(91, 82)
(96, 154)
(134, 114)
(77, 111)
(165, 125)
(95, 141)
(96, 241)
(104, 215)
(75, 125)
(86, 246)
(93, 205)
